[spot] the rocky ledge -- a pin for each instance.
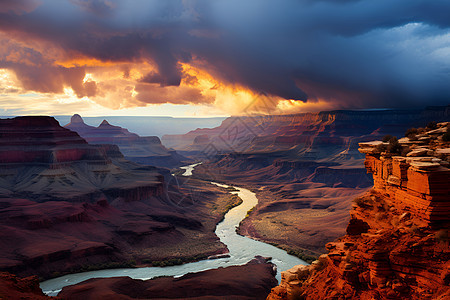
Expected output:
(13, 287)
(397, 241)
(416, 175)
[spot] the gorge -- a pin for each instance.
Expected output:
(304, 168)
(240, 251)
(68, 206)
(224, 150)
(303, 205)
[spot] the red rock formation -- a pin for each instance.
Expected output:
(39, 139)
(13, 287)
(397, 242)
(417, 182)
(43, 160)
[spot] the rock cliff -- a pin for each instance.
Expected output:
(397, 241)
(145, 150)
(13, 287)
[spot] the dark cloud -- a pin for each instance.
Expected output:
(154, 77)
(40, 74)
(359, 53)
(153, 93)
(99, 7)
(18, 6)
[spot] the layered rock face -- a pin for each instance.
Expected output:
(319, 134)
(43, 161)
(146, 150)
(417, 184)
(397, 242)
(40, 140)
(68, 206)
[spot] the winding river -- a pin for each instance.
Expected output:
(242, 250)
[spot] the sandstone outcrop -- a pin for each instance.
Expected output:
(417, 182)
(13, 287)
(146, 150)
(397, 242)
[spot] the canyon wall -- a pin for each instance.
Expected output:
(335, 130)
(397, 241)
(13, 287)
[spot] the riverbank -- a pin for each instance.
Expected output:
(241, 251)
(208, 206)
(253, 280)
(296, 214)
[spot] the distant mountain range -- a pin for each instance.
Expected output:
(146, 150)
(150, 125)
(339, 130)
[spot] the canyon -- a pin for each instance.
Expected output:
(68, 206)
(240, 251)
(305, 168)
(315, 134)
(397, 241)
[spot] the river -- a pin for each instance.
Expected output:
(242, 250)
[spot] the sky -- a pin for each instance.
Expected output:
(197, 58)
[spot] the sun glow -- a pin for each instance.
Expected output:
(229, 98)
(88, 77)
(85, 62)
(114, 88)
(293, 106)
(8, 82)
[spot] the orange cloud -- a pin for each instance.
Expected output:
(46, 69)
(85, 62)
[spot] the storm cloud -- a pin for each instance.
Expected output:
(360, 54)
